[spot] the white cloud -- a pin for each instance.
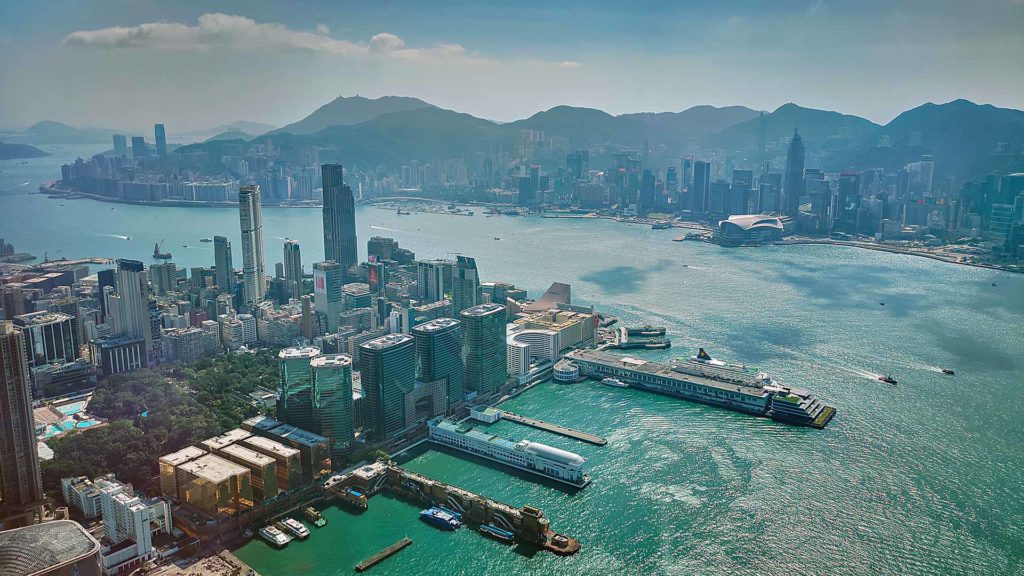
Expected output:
(569, 64)
(226, 31)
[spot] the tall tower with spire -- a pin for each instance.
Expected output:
(793, 185)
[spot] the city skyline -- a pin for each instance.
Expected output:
(822, 54)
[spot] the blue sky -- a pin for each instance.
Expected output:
(127, 64)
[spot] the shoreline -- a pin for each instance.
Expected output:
(894, 250)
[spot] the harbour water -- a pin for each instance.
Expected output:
(921, 478)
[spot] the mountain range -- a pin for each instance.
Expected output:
(49, 132)
(965, 139)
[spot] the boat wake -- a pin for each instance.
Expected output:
(118, 236)
(860, 372)
(384, 228)
(24, 184)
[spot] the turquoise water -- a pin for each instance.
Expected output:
(87, 423)
(70, 409)
(922, 478)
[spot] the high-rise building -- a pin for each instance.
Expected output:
(164, 276)
(49, 337)
(328, 293)
(381, 247)
(250, 214)
(120, 146)
(465, 284)
(332, 404)
(139, 149)
(701, 190)
(222, 266)
(21, 488)
(430, 279)
(295, 387)
(388, 373)
(133, 305)
(439, 355)
(339, 218)
(293, 268)
(483, 348)
(160, 135)
(793, 186)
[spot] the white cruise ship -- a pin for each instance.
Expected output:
(535, 457)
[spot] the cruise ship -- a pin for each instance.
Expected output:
(540, 459)
(707, 380)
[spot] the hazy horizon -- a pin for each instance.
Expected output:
(126, 65)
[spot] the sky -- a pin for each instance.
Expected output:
(127, 64)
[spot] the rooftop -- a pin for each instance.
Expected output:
(483, 310)
(182, 456)
(386, 341)
(298, 435)
(213, 468)
(298, 353)
(331, 361)
(226, 439)
(436, 324)
(43, 547)
(268, 445)
(248, 456)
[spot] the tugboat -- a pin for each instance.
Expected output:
(158, 254)
(295, 528)
(439, 518)
(887, 379)
(275, 537)
(614, 383)
(948, 372)
(314, 517)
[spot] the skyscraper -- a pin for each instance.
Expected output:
(701, 186)
(483, 348)
(793, 186)
(120, 145)
(648, 192)
(250, 214)
(332, 404)
(133, 304)
(223, 269)
(21, 488)
(430, 275)
(339, 218)
(139, 149)
(161, 139)
(465, 284)
(439, 355)
(387, 369)
(295, 387)
(293, 268)
(328, 297)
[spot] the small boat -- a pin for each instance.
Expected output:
(614, 383)
(439, 518)
(948, 372)
(497, 533)
(403, 212)
(275, 537)
(295, 528)
(206, 239)
(881, 303)
(679, 238)
(887, 379)
(127, 237)
(314, 517)
(496, 238)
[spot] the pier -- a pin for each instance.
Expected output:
(383, 555)
(554, 428)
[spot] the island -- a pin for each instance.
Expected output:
(19, 151)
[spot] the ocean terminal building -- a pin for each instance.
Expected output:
(709, 381)
(534, 457)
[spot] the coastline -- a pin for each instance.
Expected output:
(895, 250)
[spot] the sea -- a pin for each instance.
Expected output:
(925, 477)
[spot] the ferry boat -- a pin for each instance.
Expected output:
(647, 330)
(275, 537)
(206, 239)
(295, 528)
(707, 380)
(534, 457)
(497, 533)
(614, 383)
(948, 372)
(661, 225)
(440, 519)
(314, 517)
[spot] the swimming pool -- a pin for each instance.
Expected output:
(72, 408)
(87, 423)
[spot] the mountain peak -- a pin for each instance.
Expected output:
(350, 110)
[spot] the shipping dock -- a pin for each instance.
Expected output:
(707, 380)
(553, 428)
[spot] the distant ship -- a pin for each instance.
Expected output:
(206, 239)
(403, 212)
(661, 225)
(440, 518)
(614, 383)
(948, 372)
(160, 255)
(887, 379)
